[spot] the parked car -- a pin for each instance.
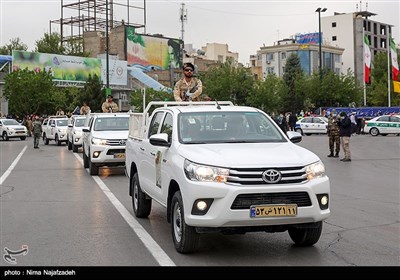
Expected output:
(384, 125)
(10, 128)
(74, 132)
(310, 125)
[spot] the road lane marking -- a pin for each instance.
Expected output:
(8, 171)
(158, 253)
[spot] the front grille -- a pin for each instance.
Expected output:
(116, 142)
(244, 201)
(253, 176)
(115, 151)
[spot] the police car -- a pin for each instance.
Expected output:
(384, 125)
(309, 125)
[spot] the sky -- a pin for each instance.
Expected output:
(244, 25)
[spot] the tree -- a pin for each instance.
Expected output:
(74, 47)
(15, 44)
(293, 75)
(50, 43)
(29, 92)
(93, 93)
(225, 82)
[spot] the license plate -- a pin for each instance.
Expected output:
(119, 155)
(283, 210)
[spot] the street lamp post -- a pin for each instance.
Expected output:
(320, 10)
(107, 52)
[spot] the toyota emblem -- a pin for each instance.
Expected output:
(271, 176)
(122, 142)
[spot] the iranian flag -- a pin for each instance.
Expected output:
(395, 64)
(367, 60)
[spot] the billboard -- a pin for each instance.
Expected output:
(117, 72)
(62, 67)
(152, 53)
(309, 38)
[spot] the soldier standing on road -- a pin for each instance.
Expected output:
(37, 132)
(333, 134)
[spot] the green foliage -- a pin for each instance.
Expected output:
(15, 44)
(28, 92)
(136, 98)
(74, 47)
(93, 94)
(225, 82)
(50, 43)
(293, 77)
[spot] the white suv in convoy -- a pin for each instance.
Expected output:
(55, 128)
(227, 169)
(74, 132)
(104, 140)
(10, 128)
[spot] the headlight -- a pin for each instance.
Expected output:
(78, 133)
(10, 129)
(205, 173)
(315, 170)
(97, 141)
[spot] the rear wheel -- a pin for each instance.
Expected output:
(185, 237)
(374, 131)
(141, 205)
(306, 236)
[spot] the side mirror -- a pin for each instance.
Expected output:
(160, 139)
(294, 136)
(86, 129)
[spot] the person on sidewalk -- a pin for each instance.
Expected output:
(345, 133)
(37, 132)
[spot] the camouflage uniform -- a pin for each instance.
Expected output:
(195, 88)
(107, 105)
(334, 135)
(37, 133)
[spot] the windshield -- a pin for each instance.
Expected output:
(62, 122)
(79, 122)
(111, 124)
(228, 127)
(10, 122)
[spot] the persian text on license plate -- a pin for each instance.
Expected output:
(283, 210)
(119, 155)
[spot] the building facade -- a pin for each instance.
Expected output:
(346, 30)
(272, 59)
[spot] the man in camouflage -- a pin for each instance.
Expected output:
(333, 134)
(37, 132)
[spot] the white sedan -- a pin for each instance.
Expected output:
(309, 125)
(384, 125)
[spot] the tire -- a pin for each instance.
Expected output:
(69, 145)
(374, 131)
(185, 237)
(85, 160)
(308, 134)
(23, 138)
(299, 130)
(141, 205)
(5, 136)
(45, 140)
(383, 134)
(74, 148)
(58, 142)
(306, 236)
(93, 169)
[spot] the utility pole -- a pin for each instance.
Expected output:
(108, 91)
(183, 18)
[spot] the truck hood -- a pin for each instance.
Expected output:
(111, 134)
(248, 154)
(14, 126)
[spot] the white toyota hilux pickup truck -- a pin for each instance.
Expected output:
(216, 167)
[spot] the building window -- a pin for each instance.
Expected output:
(333, 38)
(220, 58)
(270, 56)
(270, 70)
(283, 55)
(337, 70)
(333, 24)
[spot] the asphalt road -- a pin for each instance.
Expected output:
(66, 217)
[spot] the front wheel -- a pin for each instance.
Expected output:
(185, 237)
(5, 136)
(306, 236)
(23, 138)
(58, 142)
(141, 205)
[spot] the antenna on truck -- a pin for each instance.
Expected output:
(218, 107)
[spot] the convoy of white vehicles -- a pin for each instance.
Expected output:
(216, 167)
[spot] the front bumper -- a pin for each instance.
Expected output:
(107, 155)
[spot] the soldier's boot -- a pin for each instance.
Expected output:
(336, 155)
(330, 155)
